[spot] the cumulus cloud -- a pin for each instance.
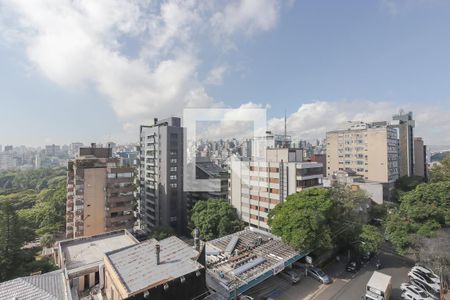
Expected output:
(142, 56)
(312, 120)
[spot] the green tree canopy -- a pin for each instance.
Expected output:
(371, 238)
(302, 219)
(11, 241)
(441, 172)
(422, 211)
(215, 218)
(162, 232)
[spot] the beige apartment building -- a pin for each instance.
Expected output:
(369, 150)
(100, 194)
(256, 187)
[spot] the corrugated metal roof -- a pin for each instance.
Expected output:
(137, 268)
(48, 286)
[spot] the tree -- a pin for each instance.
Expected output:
(371, 239)
(10, 242)
(215, 218)
(47, 240)
(441, 172)
(162, 232)
(349, 213)
(408, 183)
(423, 211)
(302, 219)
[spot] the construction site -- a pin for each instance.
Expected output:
(242, 260)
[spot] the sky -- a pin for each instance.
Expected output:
(82, 70)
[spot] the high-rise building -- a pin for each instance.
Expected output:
(99, 193)
(404, 123)
(370, 150)
(74, 149)
(256, 187)
(420, 158)
(7, 161)
(162, 201)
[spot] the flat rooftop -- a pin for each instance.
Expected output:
(137, 268)
(84, 252)
(246, 258)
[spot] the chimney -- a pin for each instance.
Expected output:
(93, 145)
(158, 250)
(155, 120)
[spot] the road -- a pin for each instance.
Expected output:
(345, 286)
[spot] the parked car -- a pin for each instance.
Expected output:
(426, 288)
(427, 272)
(291, 276)
(416, 290)
(410, 295)
(319, 275)
(419, 277)
(366, 256)
(353, 266)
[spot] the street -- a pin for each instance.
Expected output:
(345, 286)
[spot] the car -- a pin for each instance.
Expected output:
(366, 256)
(319, 275)
(419, 277)
(291, 276)
(416, 290)
(424, 287)
(427, 272)
(353, 266)
(413, 296)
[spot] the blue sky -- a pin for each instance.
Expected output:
(84, 72)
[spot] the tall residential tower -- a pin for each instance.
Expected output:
(162, 201)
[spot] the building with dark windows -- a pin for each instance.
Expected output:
(405, 123)
(162, 201)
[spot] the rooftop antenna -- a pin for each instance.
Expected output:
(285, 129)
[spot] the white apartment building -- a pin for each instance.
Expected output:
(256, 187)
(370, 150)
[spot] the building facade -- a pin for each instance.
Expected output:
(420, 158)
(256, 187)
(162, 201)
(99, 194)
(206, 169)
(404, 123)
(369, 150)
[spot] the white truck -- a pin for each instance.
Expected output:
(379, 287)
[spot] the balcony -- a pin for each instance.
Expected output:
(116, 199)
(127, 207)
(119, 219)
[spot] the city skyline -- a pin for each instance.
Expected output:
(120, 65)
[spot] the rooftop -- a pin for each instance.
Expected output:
(246, 257)
(379, 281)
(137, 269)
(85, 251)
(48, 286)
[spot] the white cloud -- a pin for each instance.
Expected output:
(312, 120)
(87, 43)
(215, 75)
(247, 16)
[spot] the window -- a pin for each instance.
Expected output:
(124, 175)
(112, 175)
(173, 177)
(173, 185)
(173, 160)
(173, 169)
